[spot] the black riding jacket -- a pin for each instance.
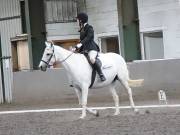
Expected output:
(87, 39)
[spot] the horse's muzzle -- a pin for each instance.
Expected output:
(43, 68)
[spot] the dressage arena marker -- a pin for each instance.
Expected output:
(79, 109)
(162, 97)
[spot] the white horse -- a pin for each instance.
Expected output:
(79, 70)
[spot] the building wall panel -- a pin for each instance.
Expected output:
(62, 31)
(102, 15)
(9, 8)
(167, 78)
(162, 15)
(10, 26)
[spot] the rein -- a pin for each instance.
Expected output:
(66, 58)
(53, 54)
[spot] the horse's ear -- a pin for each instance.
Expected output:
(51, 44)
(46, 43)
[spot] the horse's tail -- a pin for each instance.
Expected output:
(135, 83)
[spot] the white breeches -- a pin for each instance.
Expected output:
(92, 56)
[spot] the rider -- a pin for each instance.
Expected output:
(87, 44)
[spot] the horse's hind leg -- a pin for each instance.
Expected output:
(116, 98)
(126, 86)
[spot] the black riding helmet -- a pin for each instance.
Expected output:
(83, 17)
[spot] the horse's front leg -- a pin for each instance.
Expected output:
(84, 101)
(79, 95)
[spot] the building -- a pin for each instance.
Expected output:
(107, 18)
(159, 28)
(136, 29)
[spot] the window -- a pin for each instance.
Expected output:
(60, 11)
(153, 45)
(23, 16)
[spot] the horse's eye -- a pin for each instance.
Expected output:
(48, 54)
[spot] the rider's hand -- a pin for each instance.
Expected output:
(78, 45)
(73, 49)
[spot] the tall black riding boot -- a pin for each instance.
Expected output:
(97, 66)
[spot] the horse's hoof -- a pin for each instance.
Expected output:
(147, 112)
(97, 114)
(82, 117)
(136, 110)
(116, 113)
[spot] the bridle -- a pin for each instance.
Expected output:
(47, 62)
(53, 54)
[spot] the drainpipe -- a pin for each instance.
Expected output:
(120, 27)
(28, 26)
(85, 6)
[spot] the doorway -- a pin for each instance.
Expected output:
(131, 37)
(23, 16)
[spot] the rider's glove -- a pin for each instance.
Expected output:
(78, 45)
(73, 49)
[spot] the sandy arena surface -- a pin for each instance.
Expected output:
(156, 121)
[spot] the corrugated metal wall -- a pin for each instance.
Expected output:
(10, 26)
(60, 10)
(1, 92)
(1, 87)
